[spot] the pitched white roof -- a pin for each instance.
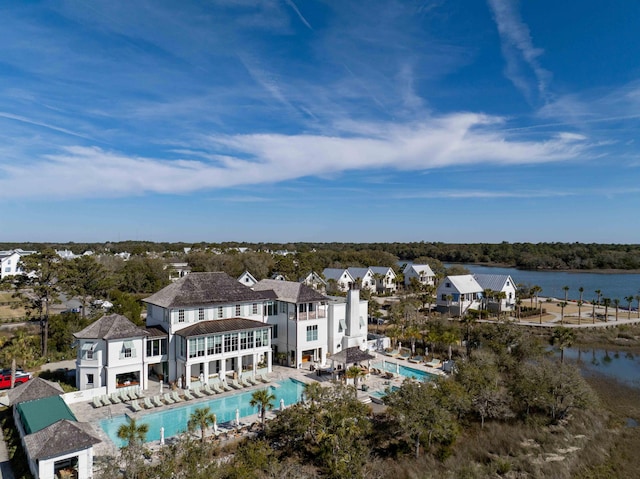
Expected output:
(420, 269)
(494, 282)
(382, 270)
(335, 273)
(464, 283)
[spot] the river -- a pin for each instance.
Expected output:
(612, 285)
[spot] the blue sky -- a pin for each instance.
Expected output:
(292, 120)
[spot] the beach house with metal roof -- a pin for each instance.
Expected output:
(497, 283)
(457, 294)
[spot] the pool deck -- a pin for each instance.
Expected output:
(376, 382)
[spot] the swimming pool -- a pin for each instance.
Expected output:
(381, 394)
(405, 371)
(175, 420)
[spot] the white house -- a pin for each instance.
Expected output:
(457, 294)
(247, 279)
(177, 270)
(315, 281)
(10, 262)
(309, 325)
(53, 440)
(338, 279)
(421, 272)
(364, 278)
(216, 327)
(385, 279)
(497, 283)
(111, 354)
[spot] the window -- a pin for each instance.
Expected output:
(217, 344)
(88, 349)
(243, 340)
(89, 379)
(254, 308)
(312, 333)
(283, 307)
(443, 297)
(220, 312)
(230, 342)
(448, 285)
(181, 315)
(275, 331)
(156, 347)
(201, 314)
(250, 339)
(238, 310)
(210, 349)
(196, 347)
(270, 309)
(127, 351)
(265, 337)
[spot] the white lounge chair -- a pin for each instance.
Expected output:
(253, 380)
(115, 398)
(96, 402)
(188, 396)
(148, 404)
(197, 393)
(135, 406)
(225, 386)
(156, 401)
(168, 399)
(264, 378)
(245, 382)
(217, 388)
(176, 397)
(236, 385)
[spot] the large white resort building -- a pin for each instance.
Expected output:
(208, 325)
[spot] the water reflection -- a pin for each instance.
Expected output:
(620, 365)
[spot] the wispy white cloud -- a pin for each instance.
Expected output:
(300, 16)
(518, 48)
(236, 160)
(22, 119)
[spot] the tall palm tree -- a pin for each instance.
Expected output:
(134, 435)
(313, 391)
(607, 303)
(566, 293)
(629, 300)
(354, 372)
(201, 417)
(562, 305)
(616, 303)
(599, 293)
(580, 303)
(486, 296)
(263, 398)
(536, 290)
(563, 338)
(499, 296)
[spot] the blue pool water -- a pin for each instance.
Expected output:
(175, 420)
(381, 394)
(405, 371)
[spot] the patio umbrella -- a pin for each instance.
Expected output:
(162, 436)
(282, 404)
(238, 417)
(397, 368)
(161, 386)
(215, 426)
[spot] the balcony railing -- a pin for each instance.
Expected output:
(320, 313)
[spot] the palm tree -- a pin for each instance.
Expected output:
(134, 435)
(566, 293)
(616, 302)
(313, 391)
(562, 305)
(629, 300)
(264, 399)
(563, 338)
(449, 299)
(486, 294)
(580, 303)
(201, 417)
(354, 372)
(607, 303)
(536, 290)
(519, 305)
(499, 296)
(599, 293)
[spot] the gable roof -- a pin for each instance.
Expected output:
(494, 282)
(247, 276)
(199, 289)
(36, 388)
(312, 277)
(290, 291)
(358, 272)
(382, 270)
(61, 437)
(220, 326)
(335, 273)
(111, 326)
(464, 283)
(351, 355)
(420, 268)
(38, 414)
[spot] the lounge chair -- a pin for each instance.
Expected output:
(393, 353)
(416, 359)
(245, 382)
(253, 380)
(137, 392)
(156, 401)
(135, 406)
(197, 393)
(434, 363)
(187, 395)
(148, 404)
(216, 386)
(404, 356)
(264, 378)
(104, 399)
(176, 397)
(207, 390)
(96, 402)
(236, 385)
(115, 398)
(225, 386)
(168, 399)
(125, 396)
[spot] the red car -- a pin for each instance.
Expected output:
(5, 379)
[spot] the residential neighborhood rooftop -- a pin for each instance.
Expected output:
(112, 326)
(290, 291)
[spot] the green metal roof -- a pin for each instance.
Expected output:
(40, 413)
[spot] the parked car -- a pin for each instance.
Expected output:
(21, 377)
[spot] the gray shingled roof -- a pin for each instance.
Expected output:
(358, 272)
(218, 326)
(156, 332)
(290, 291)
(59, 438)
(494, 282)
(36, 388)
(200, 289)
(334, 273)
(112, 326)
(351, 355)
(382, 270)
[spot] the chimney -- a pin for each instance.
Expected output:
(353, 310)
